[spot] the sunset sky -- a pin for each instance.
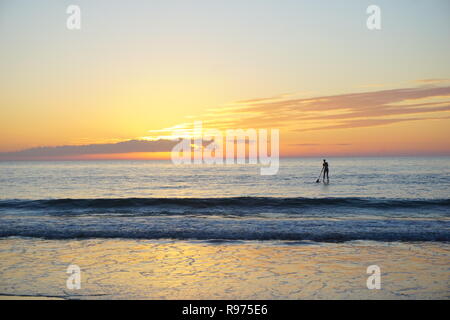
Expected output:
(145, 70)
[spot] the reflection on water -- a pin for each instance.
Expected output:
(401, 177)
(137, 269)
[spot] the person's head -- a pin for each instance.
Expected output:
(324, 160)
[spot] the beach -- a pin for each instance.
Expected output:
(142, 269)
(151, 230)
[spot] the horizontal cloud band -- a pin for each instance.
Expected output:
(104, 148)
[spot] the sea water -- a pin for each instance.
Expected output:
(378, 203)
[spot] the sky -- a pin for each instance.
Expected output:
(139, 71)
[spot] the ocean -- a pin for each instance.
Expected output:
(139, 221)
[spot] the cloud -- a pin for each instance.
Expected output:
(319, 144)
(360, 123)
(256, 100)
(332, 112)
(350, 110)
(434, 81)
(104, 148)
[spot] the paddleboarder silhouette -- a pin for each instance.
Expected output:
(325, 170)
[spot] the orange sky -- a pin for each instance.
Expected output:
(136, 71)
(397, 121)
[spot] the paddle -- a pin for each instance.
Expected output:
(318, 180)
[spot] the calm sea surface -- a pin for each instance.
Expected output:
(403, 177)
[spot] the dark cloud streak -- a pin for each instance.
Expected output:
(104, 148)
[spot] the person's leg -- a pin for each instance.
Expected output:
(327, 174)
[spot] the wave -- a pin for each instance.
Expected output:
(229, 235)
(231, 202)
(238, 218)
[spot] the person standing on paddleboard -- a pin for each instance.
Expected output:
(325, 170)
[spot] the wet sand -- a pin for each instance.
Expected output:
(145, 269)
(6, 297)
